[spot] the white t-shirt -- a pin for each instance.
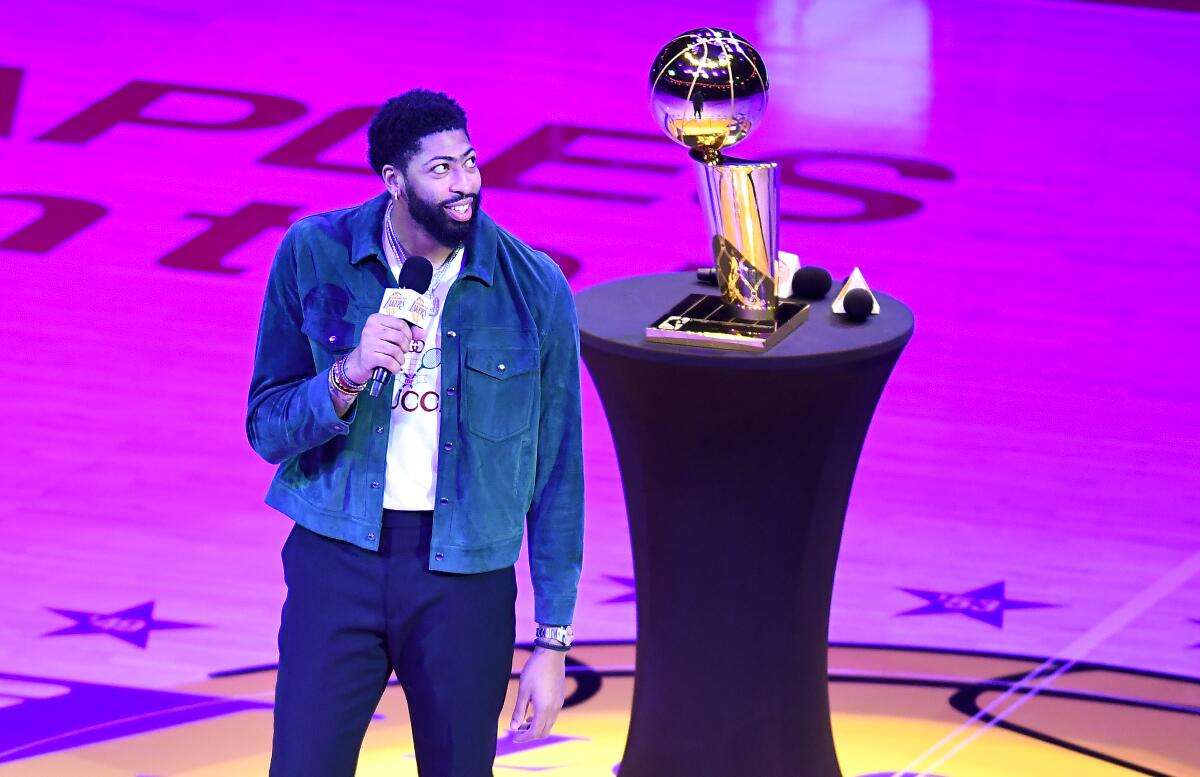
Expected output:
(410, 478)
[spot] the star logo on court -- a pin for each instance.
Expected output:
(985, 604)
(628, 596)
(132, 625)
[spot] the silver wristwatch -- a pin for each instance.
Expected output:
(563, 634)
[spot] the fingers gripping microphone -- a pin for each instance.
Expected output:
(406, 302)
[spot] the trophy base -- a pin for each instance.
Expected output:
(704, 320)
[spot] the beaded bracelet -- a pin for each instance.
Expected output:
(551, 645)
(341, 381)
(335, 388)
(335, 384)
(343, 385)
(344, 378)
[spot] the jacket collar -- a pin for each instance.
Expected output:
(366, 227)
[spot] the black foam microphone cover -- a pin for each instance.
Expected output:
(858, 304)
(415, 274)
(811, 283)
(707, 275)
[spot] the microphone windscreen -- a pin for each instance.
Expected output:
(811, 283)
(858, 304)
(416, 273)
(707, 275)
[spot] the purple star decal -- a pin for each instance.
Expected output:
(44, 715)
(132, 625)
(985, 604)
(628, 596)
(506, 745)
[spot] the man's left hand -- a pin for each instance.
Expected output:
(541, 688)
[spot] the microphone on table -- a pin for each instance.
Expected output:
(811, 283)
(406, 302)
(855, 301)
(858, 304)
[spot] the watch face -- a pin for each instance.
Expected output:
(563, 634)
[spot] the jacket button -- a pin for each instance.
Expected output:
(438, 556)
(333, 338)
(444, 501)
(502, 368)
(448, 446)
(452, 333)
(450, 391)
(374, 484)
(378, 430)
(371, 536)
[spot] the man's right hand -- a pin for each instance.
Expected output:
(385, 341)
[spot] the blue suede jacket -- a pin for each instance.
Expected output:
(510, 449)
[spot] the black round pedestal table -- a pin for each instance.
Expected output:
(737, 469)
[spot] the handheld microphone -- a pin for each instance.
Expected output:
(407, 302)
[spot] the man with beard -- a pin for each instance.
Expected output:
(410, 508)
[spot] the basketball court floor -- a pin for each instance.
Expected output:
(1019, 586)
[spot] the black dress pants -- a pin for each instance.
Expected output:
(352, 617)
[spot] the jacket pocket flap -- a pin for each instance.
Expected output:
(333, 333)
(501, 362)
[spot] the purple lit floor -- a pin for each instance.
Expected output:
(1023, 174)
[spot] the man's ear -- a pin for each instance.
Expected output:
(394, 181)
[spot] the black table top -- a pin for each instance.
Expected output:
(613, 317)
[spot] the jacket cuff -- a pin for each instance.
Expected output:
(557, 610)
(324, 413)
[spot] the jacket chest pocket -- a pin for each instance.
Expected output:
(332, 323)
(499, 386)
(335, 335)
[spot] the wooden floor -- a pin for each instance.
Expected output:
(1023, 174)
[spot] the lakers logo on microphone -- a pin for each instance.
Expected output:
(418, 309)
(393, 303)
(408, 305)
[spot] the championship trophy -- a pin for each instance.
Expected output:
(708, 91)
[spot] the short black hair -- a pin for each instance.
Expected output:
(398, 127)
